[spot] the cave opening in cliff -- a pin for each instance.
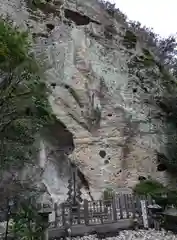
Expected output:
(62, 140)
(161, 167)
(161, 159)
(53, 85)
(141, 178)
(134, 90)
(106, 161)
(78, 18)
(59, 136)
(50, 26)
(102, 153)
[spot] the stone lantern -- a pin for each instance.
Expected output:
(155, 211)
(170, 219)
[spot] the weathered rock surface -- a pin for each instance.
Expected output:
(102, 100)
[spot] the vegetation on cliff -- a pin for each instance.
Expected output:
(23, 98)
(157, 53)
(164, 196)
(24, 112)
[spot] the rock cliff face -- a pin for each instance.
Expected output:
(102, 91)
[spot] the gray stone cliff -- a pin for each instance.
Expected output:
(104, 98)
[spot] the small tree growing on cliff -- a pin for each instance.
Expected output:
(24, 107)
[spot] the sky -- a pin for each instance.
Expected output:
(161, 15)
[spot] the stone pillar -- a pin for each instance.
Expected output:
(144, 214)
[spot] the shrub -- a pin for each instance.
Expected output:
(111, 9)
(14, 45)
(148, 187)
(157, 191)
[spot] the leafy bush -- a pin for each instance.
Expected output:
(113, 11)
(148, 187)
(14, 46)
(163, 195)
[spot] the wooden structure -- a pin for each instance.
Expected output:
(124, 206)
(122, 211)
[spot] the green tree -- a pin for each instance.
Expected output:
(27, 223)
(24, 112)
(24, 106)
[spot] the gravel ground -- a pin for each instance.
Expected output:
(138, 235)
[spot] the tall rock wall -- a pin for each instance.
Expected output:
(101, 90)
